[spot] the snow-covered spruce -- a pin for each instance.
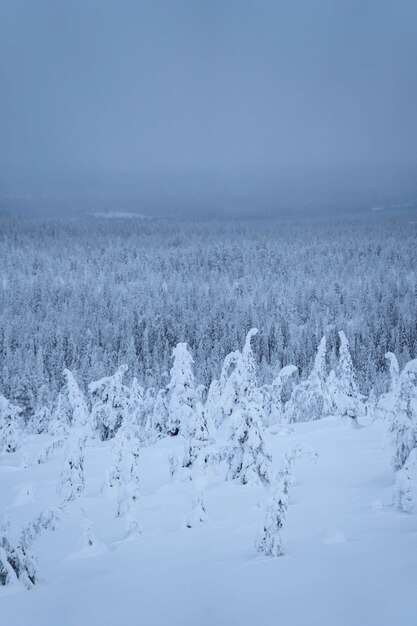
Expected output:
(18, 562)
(214, 408)
(310, 399)
(270, 541)
(247, 455)
(70, 409)
(405, 483)
(175, 405)
(80, 415)
(186, 414)
(403, 427)
(241, 386)
(272, 403)
(182, 404)
(125, 476)
(110, 403)
(40, 421)
(342, 387)
(157, 420)
(72, 481)
(137, 405)
(385, 404)
(198, 481)
(11, 427)
(403, 434)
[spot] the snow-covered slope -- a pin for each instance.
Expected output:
(351, 557)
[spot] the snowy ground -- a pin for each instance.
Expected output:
(351, 557)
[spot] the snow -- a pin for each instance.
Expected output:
(350, 556)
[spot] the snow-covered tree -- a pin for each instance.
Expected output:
(80, 415)
(11, 428)
(18, 561)
(157, 420)
(198, 512)
(215, 408)
(342, 387)
(270, 541)
(402, 431)
(60, 416)
(110, 403)
(40, 420)
(273, 406)
(70, 409)
(196, 437)
(137, 406)
(246, 453)
(394, 370)
(185, 412)
(241, 385)
(125, 474)
(72, 481)
(182, 406)
(405, 483)
(10, 565)
(385, 406)
(310, 399)
(403, 427)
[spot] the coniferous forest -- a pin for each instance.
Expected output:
(92, 294)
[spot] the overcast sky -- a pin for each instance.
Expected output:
(207, 86)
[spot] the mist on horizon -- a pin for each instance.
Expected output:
(208, 104)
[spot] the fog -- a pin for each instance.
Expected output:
(200, 102)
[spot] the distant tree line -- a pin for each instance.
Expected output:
(89, 295)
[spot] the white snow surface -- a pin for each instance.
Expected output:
(351, 557)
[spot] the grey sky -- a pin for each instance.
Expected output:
(207, 86)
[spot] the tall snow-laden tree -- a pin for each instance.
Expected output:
(403, 427)
(110, 403)
(72, 481)
(60, 415)
(198, 512)
(394, 370)
(403, 433)
(247, 455)
(241, 385)
(270, 541)
(245, 451)
(182, 404)
(80, 415)
(40, 421)
(310, 399)
(196, 436)
(137, 406)
(185, 412)
(346, 399)
(273, 406)
(11, 427)
(70, 409)
(241, 388)
(125, 476)
(158, 417)
(405, 483)
(385, 406)
(214, 408)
